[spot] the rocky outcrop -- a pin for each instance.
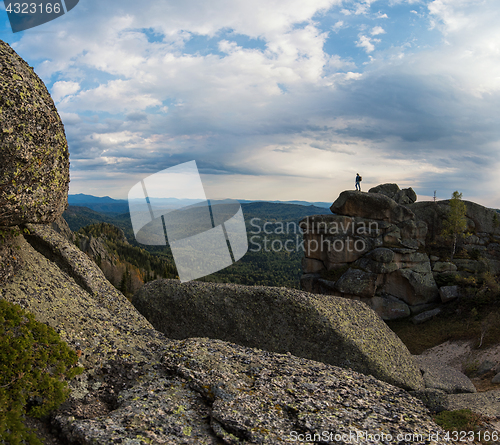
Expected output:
(139, 386)
(373, 249)
(222, 393)
(373, 206)
(333, 330)
(34, 158)
(482, 243)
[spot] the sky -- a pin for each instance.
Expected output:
(276, 99)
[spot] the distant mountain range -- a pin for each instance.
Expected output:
(105, 204)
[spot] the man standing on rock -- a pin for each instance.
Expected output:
(358, 180)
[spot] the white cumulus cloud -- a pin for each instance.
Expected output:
(365, 43)
(64, 88)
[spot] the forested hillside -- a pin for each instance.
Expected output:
(275, 244)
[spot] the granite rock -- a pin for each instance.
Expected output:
(330, 329)
(34, 157)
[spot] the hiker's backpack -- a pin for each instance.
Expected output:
(360, 178)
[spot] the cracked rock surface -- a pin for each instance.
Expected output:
(267, 398)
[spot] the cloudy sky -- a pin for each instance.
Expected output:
(277, 99)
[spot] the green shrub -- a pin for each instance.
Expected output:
(446, 279)
(458, 420)
(34, 364)
(463, 420)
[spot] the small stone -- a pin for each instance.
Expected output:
(425, 316)
(496, 379)
(448, 293)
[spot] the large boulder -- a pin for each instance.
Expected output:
(370, 205)
(357, 282)
(333, 330)
(34, 158)
(412, 287)
(388, 189)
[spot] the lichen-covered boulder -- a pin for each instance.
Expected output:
(34, 158)
(333, 330)
(357, 282)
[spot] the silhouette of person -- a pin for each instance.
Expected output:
(358, 181)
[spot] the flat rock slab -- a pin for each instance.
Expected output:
(158, 411)
(370, 205)
(425, 316)
(270, 398)
(486, 403)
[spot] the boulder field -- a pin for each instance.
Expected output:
(141, 387)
